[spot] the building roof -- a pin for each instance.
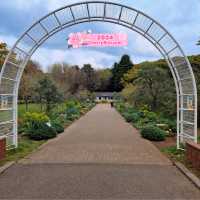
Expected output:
(104, 94)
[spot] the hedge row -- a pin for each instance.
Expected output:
(153, 126)
(39, 126)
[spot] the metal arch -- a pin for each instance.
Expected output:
(94, 11)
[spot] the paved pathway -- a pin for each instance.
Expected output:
(98, 157)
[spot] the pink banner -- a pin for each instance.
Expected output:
(77, 40)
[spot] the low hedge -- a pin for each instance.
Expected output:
(43, 132)
(153, 133)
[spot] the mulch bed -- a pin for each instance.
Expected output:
(169, 142)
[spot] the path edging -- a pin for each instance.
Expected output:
(193, 178)
(6, 166)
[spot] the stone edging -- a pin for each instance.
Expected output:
(193, 178)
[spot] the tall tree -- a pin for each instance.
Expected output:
(104, 79)
(144, 84)
(58, 75)
(118, 70)
(89, 77)
(32, 74)
(48, 93)
(3, 53)
(73, 79)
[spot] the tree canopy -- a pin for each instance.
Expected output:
(48, 92)
(151, 84)
(118, 70)
(3, 53)
(147, 83)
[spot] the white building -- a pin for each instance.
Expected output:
(104, 96)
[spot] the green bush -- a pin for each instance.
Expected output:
(42, 133)
(153, 133)
(151, 116)
(120, 107)
(57, 126)
(131, 117)
(143, 122)
(72, 110)
(164, 127)
(34, 120)
(172, 125)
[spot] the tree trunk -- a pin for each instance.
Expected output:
(26, 103)
(154, 103)
(48, 107)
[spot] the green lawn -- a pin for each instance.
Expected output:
(7, 115)
(32, 107)
(174, 153)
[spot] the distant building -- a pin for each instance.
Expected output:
(100, 96)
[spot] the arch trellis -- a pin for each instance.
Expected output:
(94, 11)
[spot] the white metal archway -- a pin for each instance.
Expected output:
(93, 11)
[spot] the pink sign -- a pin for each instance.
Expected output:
(77, 40)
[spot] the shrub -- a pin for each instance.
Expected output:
(143, 122)
(153, 133)
(42, 133)
(34, 120)
(20, 125)
(164, 127)
(72, 110)
(151, 116)
(172, 125)
(35, 126)
(54, 114)
(58, 126)
(120, 107)
(131, 117)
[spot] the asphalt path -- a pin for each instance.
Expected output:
(99, 156)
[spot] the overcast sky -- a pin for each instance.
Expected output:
(180, 17)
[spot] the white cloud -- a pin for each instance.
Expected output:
(9, 39)
(136, 43)
(139, 49)
(144, 47)
(73, 56)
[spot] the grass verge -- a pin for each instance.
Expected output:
(26, 146)
(179, 155)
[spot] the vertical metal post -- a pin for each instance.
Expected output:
(178, 122)
(181, 132)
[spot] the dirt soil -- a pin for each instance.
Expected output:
(169, 142)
